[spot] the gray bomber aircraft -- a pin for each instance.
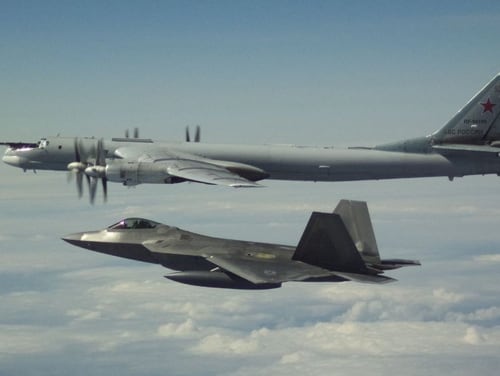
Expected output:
(334, 247)
(469, 144)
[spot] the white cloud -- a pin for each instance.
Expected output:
(479, 315)
(220, 344)
(444, 297)
(494, 258)
(185, 329)
(472, 336)
(23, 339)
(83, 315)
(293, 358)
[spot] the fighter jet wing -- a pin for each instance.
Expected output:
(267, 271)
(193, 167)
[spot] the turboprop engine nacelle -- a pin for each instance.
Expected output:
(134, 173)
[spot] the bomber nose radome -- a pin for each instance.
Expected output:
(14, 160)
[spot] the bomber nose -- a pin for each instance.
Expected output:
(14, 160)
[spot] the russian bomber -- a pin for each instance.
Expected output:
(469, 144)
(334, 247)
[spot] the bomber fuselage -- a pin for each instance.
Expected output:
(280, 162)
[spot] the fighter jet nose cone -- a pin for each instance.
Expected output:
(73, 238)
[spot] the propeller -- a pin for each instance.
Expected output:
(92, 165)
(98, 171)
(196, 134)
(78, 167)
(136, 133)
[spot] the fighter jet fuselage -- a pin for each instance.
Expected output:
(334, 247)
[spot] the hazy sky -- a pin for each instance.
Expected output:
(318, 73)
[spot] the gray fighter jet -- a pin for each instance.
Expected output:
(468, 144)
(334, 247)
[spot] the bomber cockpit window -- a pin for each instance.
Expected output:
(43, 143)
(133, 223)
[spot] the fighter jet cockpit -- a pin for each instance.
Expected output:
(133, 223)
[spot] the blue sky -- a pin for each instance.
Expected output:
(317, 73)
(265, 68)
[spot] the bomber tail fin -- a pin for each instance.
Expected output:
(477, 122)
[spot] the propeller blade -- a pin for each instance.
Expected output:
(79, 184)
(88, 181)
(97, 171)
(197, 134)
(84, 154)
(100, 157)
(93, 189)
(127, 135)
(77, 151)
(136, 132)
(77, 166)
(105, 188)
(188, 139)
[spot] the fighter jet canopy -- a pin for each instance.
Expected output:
(133, 223)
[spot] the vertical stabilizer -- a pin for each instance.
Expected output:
(357, 221)
(326, 243)
(477, 122)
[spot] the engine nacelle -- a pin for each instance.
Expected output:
(218, 279)
(133, 173)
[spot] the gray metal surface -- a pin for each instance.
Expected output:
(468, 144)
(326, 252)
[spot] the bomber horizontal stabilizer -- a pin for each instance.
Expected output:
(467, 148)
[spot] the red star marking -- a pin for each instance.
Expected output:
(488, 106)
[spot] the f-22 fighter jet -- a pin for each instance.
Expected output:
(334, 247)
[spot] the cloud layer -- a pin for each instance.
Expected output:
(65, 308)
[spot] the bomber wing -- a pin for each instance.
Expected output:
(195, 168)
(206, 172)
